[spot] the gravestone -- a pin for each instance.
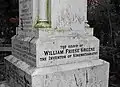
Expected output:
(45, 46)
(54, 43)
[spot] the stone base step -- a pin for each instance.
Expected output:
(94, 73)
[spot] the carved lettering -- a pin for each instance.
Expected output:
(69, 51)
(53, 52)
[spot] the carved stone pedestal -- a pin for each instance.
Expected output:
(55, 47)
(85, 74)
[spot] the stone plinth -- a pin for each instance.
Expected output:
(55, 47)
(93, 73)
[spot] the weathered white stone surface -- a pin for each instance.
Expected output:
(68, 14)
(88, 30)
(66, 49)
(28, 32)
(63, 14)
(53, 48)
(86, 74)
(43, 9)
(28, 13)
(65, 55)
(24, 48)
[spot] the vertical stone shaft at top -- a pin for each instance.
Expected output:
(85, 8)
(43, 10)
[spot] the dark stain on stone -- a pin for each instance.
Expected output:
(16, 61)
(76, 81)
(46, 76)
(93, 67)
(86, 77)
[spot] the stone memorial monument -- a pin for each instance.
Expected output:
(55, 47)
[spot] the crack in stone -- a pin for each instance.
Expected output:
(76, 81)
(86, 78)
